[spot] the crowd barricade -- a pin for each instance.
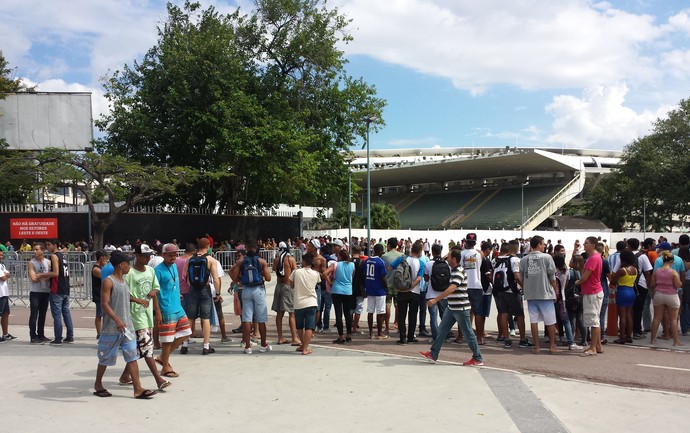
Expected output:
(226, 259)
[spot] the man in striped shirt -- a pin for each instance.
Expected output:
(458, 310)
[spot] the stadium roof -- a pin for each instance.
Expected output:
(419, 166)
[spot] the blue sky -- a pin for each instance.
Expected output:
(455, 73)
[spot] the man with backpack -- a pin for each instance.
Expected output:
(359, 292)
(200, 269)
(407, 276)
(252, 272)
(506, 278)
(644, 274)
(437, 276)
(471, 262)
(392, 294)
(284, 265)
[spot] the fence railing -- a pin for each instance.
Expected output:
(79, 266)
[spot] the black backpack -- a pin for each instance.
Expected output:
(197, 272)
(573, 295)
(503, 278)
(440, 275)
(486, 268)
(359, 279)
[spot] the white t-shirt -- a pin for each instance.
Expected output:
(414, 271)
(643, 265)
(305, 281)
(471, 261)
(155, 261)
(4, 287)
(220, 273)
(430, 292)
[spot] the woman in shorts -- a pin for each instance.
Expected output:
(664, 290)
(624, 282)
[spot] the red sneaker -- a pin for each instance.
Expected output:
(428, 356)
(473, 362)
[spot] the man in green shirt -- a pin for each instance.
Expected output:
(143, 297)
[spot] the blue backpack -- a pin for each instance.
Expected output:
(252, 274)
(197, 272)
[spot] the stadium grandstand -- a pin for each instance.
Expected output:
(478, 188)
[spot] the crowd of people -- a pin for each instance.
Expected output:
(154, 302)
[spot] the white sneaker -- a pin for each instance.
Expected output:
(575, 347)
(191, 340)
(248, 350)
(226, 340)
(266, 348)
(513, 333)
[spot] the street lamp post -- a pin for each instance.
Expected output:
(349, 210)
(522, 206)
(368, 121)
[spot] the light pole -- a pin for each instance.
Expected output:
(522, 205)
(368, 121)
(349, 210)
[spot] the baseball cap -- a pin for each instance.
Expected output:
(143, 249)
(471, 237)
(664, 246)
(169, 248)
(338, 242)
(315, 243)
(118, 257)
(282, 246)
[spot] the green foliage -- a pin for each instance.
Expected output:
(260, 103)
(384, 216)
(8, 83)
(17, 175)
(654, 170)
(121, 183)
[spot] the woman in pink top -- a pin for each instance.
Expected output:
(664, 290)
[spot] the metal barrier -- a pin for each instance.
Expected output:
(80, 264)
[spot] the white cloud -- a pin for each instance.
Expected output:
(532, 44)
(599, 119)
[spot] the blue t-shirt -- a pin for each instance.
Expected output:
(169, 296)
(423, 260)
(107, 271)
(677, 266)
(375, 270)
(342, 283)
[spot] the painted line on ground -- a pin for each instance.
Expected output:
(664, 367)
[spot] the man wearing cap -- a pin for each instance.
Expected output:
(199, 301)
(284, 265)
(319, 265)
(143, 301)
(333, 249)
(174, 327)
(117, 331)
(471, 261)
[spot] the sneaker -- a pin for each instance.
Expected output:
(507, 344)
(473, 362)
(338, 341)
(639, 336)
(428, 356)
(37, 340)
(9, 337)
(184, 350)
(208, 351)
(266, 348)
(44, 339)
(3, 340)
(525, 344)
(401, 342)
(575, 347)
(56, 342)
(226, 340)
(237, 330)
(191, 340)
(248, 350)
(513, 333)
(501, 338)
(413, 340)
(68, 340)
(424, 333)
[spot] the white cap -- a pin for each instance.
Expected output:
(315, 242)
(283, 246)
(338, 242)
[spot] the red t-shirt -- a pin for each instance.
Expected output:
(593, 284)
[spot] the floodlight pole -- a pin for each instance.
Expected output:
(522, 205)
(349, 210)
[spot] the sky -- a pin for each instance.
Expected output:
(455, 73)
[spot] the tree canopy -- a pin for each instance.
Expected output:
(653, 174)
(260, 102)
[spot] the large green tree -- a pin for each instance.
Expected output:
(120, 183)
(16, 168)
(653, 176)
(260, 102)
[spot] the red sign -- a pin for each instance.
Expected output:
(33, 228)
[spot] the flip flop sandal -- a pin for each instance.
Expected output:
(170, 373)
(102, 393)
(147, 394)
(125, 383)
(164, 385)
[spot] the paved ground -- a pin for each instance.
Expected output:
(337, 389)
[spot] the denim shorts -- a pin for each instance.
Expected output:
(477, 301)
(107, 349)
(4, 305)
(198, 304)
(305, 318)
(254, 304)
(99, 309)
(542, 310)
